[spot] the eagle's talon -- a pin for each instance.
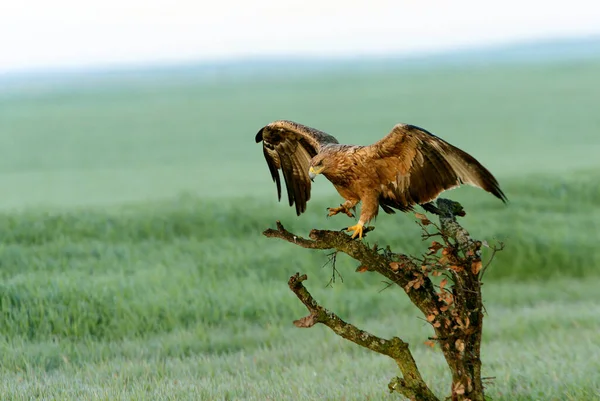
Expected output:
(358, 230)
(335, 210)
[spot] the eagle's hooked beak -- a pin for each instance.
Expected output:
(312, 172)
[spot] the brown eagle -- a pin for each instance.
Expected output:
(409, 166)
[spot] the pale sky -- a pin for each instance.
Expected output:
(38, 34)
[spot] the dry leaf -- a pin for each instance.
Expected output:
(429, 343)
(456, 268)
(362, 269)
(476, 266)
(437, 324)
(416, 283)
(395, 266)
(430, 318)
(435, 246)
(443, 283)
(459, 388)
(460, 345)
(424, 220)
(306, 321)
(446, 297)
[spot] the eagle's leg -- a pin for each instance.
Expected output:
(345, 208)
(370, 207)
(358, 229)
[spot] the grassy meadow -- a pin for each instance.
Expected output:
(132, 263)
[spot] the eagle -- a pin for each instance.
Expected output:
(410, 166)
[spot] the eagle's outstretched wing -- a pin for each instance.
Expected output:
(416, 166)
(289, 146)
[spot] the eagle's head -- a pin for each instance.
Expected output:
(319, 164)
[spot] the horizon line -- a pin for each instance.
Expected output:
(284, 58)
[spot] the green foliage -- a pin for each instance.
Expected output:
(132, 263)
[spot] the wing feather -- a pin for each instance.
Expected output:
(273, 163)
(289, 146)
(417, 166)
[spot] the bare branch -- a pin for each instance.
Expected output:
(495, 250)
(411, 385)
(401, 273)
(293, 238)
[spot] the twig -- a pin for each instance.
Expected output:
(332, 259)
(388, 284)
(495, 249)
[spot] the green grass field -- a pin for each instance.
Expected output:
(133, 265)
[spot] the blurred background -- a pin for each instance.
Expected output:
(134, 196)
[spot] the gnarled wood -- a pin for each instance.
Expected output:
(411, 386)
(455, 311)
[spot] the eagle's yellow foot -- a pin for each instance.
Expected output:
(358, 230)
(335, 210)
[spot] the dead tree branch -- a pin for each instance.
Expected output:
(411, 385)
(454, 310)
(397, 268)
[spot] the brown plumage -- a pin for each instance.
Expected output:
(407, 167)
